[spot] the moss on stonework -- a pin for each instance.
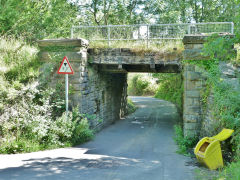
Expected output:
(58, 48)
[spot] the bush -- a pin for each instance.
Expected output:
(32, 115)
(28, 125)
(81, 131)
(140, 85)
(170, 88)
(225, 107)
(48, 18)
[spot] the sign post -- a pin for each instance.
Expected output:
(65, 68)
(66, 92)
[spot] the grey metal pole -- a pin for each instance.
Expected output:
(232, 27)
(66, 92)
(189, 29)
(108, 30)
(72, 32)
(147, 36)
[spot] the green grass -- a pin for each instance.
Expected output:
(131, 108)
(170, 88)
(231, 171)
(184, 143)
(163, 46)
(18, 60)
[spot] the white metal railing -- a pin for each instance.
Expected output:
(148, 32)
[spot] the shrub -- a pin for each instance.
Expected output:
(31, 114)
(225, 107)
(140, 85)
(170, 88)
(81, 131)
(29, 122)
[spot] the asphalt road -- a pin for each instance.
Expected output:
(139, 147)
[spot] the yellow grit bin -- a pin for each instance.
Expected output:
(208, 149)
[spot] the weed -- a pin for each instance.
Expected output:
(131, 108)
(162, 46)
(184, 143)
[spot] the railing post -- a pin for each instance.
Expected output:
(108, 29)
(72, 32)
(147, 36)
(189, 29)
(232, 27)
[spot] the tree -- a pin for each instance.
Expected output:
(37, 19)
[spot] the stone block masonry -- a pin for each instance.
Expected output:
(192, 111)
(101, 94)
(194, 82)
(198, 120)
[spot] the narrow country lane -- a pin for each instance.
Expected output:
(139, 147)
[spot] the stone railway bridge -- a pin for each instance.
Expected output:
(99, 85)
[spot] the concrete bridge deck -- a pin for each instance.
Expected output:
(130, 60)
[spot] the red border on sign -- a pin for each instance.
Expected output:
(65, 57)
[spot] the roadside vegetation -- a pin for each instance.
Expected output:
(226, 98)
(185, 144)
(141, 84)
(32, 115)
(170, 88)
(131, 107)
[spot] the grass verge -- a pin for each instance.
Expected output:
(185, 144)
(131, 108)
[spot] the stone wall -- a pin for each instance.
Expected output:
(198, 119)
(229, 74)
(101, 94)
(192, 110)
(194, 82)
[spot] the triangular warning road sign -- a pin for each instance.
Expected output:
(65, 67)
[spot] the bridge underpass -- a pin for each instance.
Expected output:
(99, 84)
(139, 147)
(100, 81)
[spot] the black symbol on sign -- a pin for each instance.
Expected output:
(65, 64)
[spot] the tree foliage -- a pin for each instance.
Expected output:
(167, 11)
(53, 18)
(37, 19)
